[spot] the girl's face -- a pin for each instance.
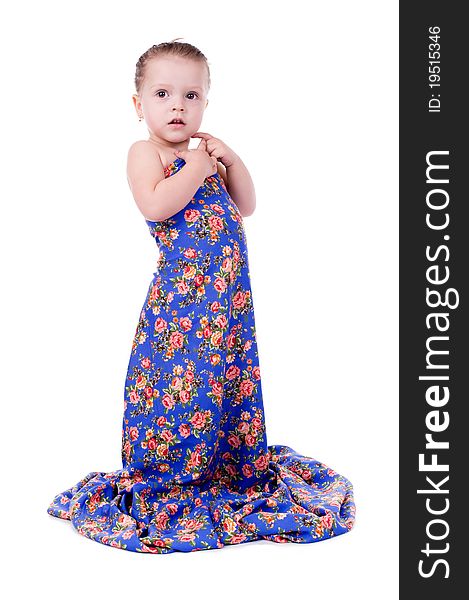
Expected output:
(173, 87)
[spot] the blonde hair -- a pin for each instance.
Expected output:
(172, 48)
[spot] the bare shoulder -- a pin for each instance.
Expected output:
(143, 160)
(142, 150)
(144, 172)
(142, 145)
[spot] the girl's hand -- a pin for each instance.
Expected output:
(201, 158)
(218, 149)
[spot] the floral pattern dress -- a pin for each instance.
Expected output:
(197, 472)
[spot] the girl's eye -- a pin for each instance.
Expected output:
(159, 92)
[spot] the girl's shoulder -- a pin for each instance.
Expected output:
(143, 165)
(144, 147)
(143, 152)
(146, 150)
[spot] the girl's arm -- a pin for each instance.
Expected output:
(240, 186)
(157, 197)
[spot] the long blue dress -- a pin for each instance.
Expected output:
(197, 472)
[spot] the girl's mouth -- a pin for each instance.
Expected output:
(177, 125)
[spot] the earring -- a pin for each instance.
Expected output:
(140, 118)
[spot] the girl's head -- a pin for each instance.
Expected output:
(172, 80)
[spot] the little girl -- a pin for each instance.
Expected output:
(197, 472)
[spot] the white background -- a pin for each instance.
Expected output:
(307, 94)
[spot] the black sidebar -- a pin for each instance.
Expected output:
(433, 299)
